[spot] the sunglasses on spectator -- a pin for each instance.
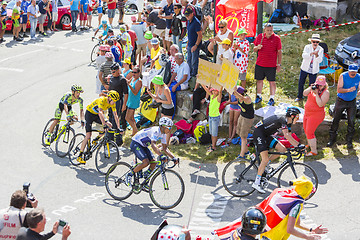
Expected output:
(314, 41)
(134, 72)
(221, 26)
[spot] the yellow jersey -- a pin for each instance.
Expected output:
(153, 55)
(102, 103)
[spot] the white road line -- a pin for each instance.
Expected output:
(82, 40)
(20, 55)
(62, 48)
(12, 69)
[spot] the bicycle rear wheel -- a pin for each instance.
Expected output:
(300, 169)
(166, 189)
(115, 181)
(74, 148)
(46, 130)
(238, 176)
(106, 155)
(94, 52)
(63, 141)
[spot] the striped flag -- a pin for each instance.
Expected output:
(276, 207)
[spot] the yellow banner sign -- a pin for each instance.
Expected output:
(229, 74)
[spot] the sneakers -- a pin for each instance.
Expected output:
(128, 178)
(271, 102)
(195, 112)
(47, 140)
(80, 159)
(56, 30)
(33, 38)
(258, 99)
(258, 187)
(49, 31)
(25, 35)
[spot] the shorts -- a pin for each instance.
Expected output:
(234, 109)
(242, 76)
(55, 17)
(23, 19)
(159, 32)
(168, 36)
(99, 10)
(42, 18)
(16, 23)
(214, 125)
(141, 152)
(89, 119)
(244, 126)
(83, 16)
(262, 141)
(60, 109)
(168, 112)
(141, 48)
(89, 12)
(262, 72)
(111, 13)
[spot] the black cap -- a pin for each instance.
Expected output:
(115, 66)
(188, 11)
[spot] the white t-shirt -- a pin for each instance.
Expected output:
(228, 54)
(10, 222)
(147, 135)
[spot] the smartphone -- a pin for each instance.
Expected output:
(61, 226)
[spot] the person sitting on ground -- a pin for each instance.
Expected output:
(246, 118)
(162, 95)
(65, 104)
(36, 220)
(182, 74)
(264, 140)
(198, 98)
(318, 95)
(95, 112)
(14, 217)
(214, 114)
(148, 137)
(105, 27)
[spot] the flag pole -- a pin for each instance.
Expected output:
(214, 17)
(260, 9)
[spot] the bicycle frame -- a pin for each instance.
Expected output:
(90, 148)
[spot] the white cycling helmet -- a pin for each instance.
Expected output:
(165, 121)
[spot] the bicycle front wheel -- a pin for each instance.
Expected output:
(288, 174)
(106, 155)
(74, 148)
(115, 181)
(63, 141)
(238, 176)
(166, 189)
(46, 130)
(94, 53)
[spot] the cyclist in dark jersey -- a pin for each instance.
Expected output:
(264, 140)
(65, 104)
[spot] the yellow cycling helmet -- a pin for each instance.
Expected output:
(114, 95)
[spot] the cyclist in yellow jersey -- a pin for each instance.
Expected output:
(65, 104)
(95, 113)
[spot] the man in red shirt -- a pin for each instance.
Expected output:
(111, 10)
(268, 47)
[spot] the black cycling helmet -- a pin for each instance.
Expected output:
(76, 87)
(253, 221)
(292, 111)
(115, 66)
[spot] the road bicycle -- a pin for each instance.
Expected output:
(239, 174)
(107, 151)
(95, 50)
(166, 187)
(62, 135)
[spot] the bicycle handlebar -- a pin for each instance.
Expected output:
(298, 151)
(165, 159)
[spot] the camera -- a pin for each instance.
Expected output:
(314, 86)
(29, 195)
(61, 226)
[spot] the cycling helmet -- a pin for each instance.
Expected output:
(114, 95)
(291, 111)
(170, 232)
(165, 121)
(253, 221)
(76, 87)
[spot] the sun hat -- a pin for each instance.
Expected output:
(353, 68)
(155, 41)
(122, 27)
(104, 47)
(241, 31)
(127, 61)
(109, 55)
(149, 7)
(4, 3)
(158, 80)
(240, 90)
(321, 80)
(315, 37)
(303, 186)
(148, 35)
(226, 41)
(103, 22)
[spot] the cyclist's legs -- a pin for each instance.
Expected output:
(89, 119)
(58, 113)
(143, 154)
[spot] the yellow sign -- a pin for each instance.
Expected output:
(228, 75)
(208, 73)
(148, 112)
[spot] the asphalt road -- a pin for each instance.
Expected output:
(35, 75)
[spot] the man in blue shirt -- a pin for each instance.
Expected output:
(74, 8)
(3, 21)
(347, 89)
(23, 16)
(169, 11)
(43, 9)
(194, 40)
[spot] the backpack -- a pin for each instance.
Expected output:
(167, 72)
(197, 12)
(277, 16)
(205, 138)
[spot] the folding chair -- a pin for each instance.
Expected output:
(326, 69)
